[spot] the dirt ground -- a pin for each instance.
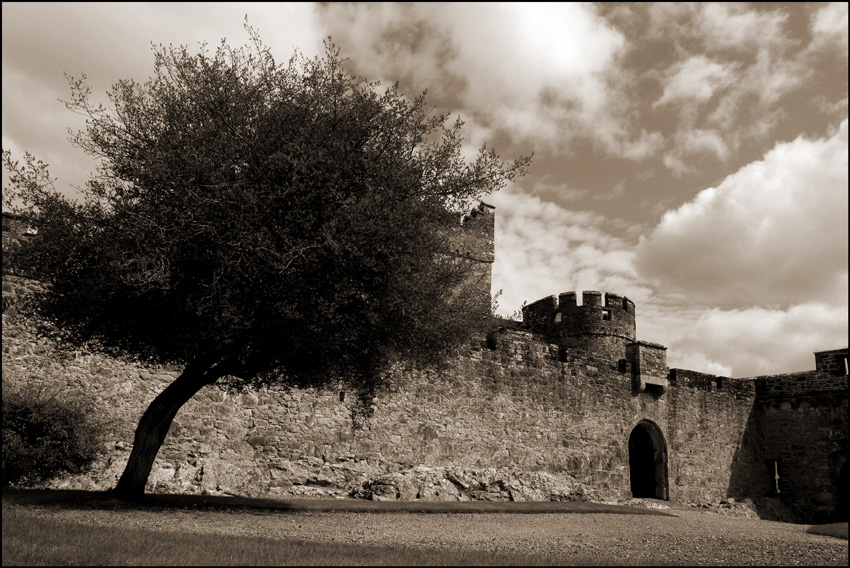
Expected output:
(691, 537)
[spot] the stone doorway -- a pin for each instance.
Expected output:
(648, 462)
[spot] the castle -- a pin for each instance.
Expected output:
(566, 404)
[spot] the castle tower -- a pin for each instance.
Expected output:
(596, 323)
(602, 327)
(472, 241)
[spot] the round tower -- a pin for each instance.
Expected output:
(600, 326)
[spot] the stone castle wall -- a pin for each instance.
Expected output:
(541, 410)
(517, 407)
(803, 420)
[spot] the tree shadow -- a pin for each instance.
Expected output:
(103, 500)
(838, 530)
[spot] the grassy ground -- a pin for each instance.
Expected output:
(98, 499)
(31, 540)
(90, 528)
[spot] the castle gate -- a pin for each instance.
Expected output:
(648, 461)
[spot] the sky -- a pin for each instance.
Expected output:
(692, 157)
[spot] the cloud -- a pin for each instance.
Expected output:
(695, 143)
(735, 67)
(716, 26)
(829, 28)
(695, 80)
(732, 25)
(543, 249)
(43, 40)
(546, 74)
(774, 232)
(760, 341)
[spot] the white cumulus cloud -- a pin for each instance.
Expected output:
(760, 341)
(774, 232)
(544, 249)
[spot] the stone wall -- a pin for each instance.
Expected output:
(472, 240)
(13, 229)
(538, 411)
(803, 420)
(807, 436)
(519, 415)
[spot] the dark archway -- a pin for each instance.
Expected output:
(648, 462)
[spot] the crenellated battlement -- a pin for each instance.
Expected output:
(598, 314)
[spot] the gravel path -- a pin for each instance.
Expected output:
(693, 537)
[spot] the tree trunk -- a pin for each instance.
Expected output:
(155, 423)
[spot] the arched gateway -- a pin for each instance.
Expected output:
(648, 461)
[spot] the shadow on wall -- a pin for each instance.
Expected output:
(838, 470)
(755, 474)
(750, 475)
(780, 464)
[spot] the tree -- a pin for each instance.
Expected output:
(258, 221)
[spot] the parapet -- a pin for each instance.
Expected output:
(613, 315)
(831, 363)
(828, 379)
(648, 362)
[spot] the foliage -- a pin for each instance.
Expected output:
(515, 315)
(292, 220)
(261, 221)
(47, 433)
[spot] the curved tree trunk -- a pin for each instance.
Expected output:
(155, 423)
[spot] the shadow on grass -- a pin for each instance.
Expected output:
(31, 540)
(838, 530)
(76, 499)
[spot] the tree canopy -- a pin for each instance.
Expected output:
(266, 221)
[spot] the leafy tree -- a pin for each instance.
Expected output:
(256, 220)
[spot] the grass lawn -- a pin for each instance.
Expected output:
(99, 499)
(29, 539)
(49, 527)
(32, 541)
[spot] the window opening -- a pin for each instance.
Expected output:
(773, 467)
(606, 315)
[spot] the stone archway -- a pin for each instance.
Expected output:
(648, 462)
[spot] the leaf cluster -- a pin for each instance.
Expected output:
(290, 219)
